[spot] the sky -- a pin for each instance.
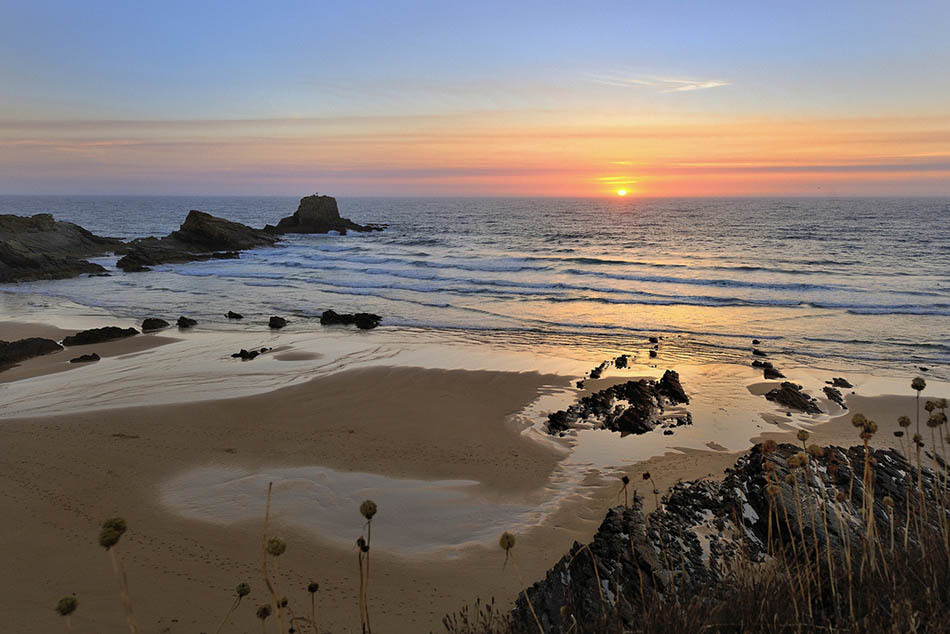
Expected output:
(488, 98)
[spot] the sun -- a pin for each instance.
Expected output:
(621, 192)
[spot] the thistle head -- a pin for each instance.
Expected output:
(793, 461)
(773, 490)
(802, 458)
(941, 403)
(815, 451)
(276, 546)
(625, 480)
(918, 440)
(112, 530)
(859, 420)
(790, 478)
(506, 541)
(362, 545)
(769, 446)
(368, 509)
(918, 384)
(803, 435)
(903, 421)
(312, 587)
(888, 501)
(646, 475)
(263, 611)
(937, 419)
(66, 606)
(930, 406)
(243, 589)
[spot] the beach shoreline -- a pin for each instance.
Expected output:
(65, 472)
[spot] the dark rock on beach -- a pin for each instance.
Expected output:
(248, 355)
(758, 353)
(644, 409)
(791, 395)
(769, 371)
(86, 358)
(186, 322)
(277, 322)
(12, 352)
(41, 248)
(154, 323)
(622, 361)
(654, 340)
(99, 335)
(364, 321)
(598, 371)
(703, 529)
(840, 382)
(233, 315)
(653, 354)
(318, 214)
(201, 237)
(834, 394)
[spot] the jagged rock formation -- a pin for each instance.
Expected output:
(634, 407)
(201, 237)
(13, 352)
(834, 395)
(791, 395)
(99, 335)
(40, 248)
(318, 214)
(703, 528)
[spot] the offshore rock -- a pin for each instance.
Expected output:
(201, 237)
(318, 214)
(364, 321)
(153, 323)
(233, 315)
(41, 248)
(99, 335)
(13, 352)
(186, 322)
(277, 322)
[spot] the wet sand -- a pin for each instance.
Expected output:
(62, 475)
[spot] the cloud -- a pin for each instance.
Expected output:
(661, 84)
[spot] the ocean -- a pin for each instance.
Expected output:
(829, 283)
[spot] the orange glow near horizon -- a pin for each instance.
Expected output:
(547, 154)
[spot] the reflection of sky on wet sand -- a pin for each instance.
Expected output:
(415, 516)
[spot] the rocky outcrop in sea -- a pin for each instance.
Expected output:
(40, 248)
(318, 214)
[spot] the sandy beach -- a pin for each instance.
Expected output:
(452, 434)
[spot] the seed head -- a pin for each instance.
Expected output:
(888, 501)
(871, 427)
(803, 435)
(790, 478)
(918, 440)
(903, 421)
(898, 433)
(773, 490)
(243, 589)
(802, 458)
(506, 541)
(362, 545)
(276, 546)
(312, 587)
(815, 451)
(112, 530)
(930, 406)
(368, 509)
(646, 475)
(941, 403)
(769, 446)
(939, 417)
(918, 384)
(793, 461)
(263, 611)
(66, 606)
(858, 420)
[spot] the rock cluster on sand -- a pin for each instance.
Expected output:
(248, 355)
(86, 358)
(363, 321)
(318, 214)
(634, 407)
(12, 352)
(154, 323)
(201, 237)
(40, 248)
(791, 395)
(769, 371)
(703, 527)
(99, 335)
(834, 394)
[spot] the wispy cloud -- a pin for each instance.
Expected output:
(661, 84)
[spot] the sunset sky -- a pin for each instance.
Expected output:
(476, 99)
